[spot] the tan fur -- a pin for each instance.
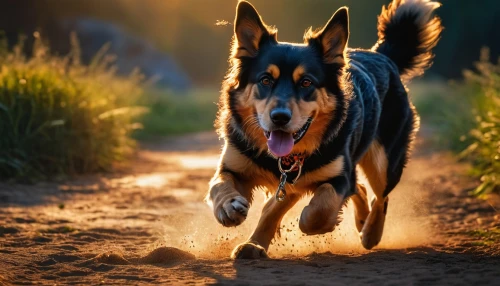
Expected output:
(322, 110)
(321, 215)
(235, 192)
(298, 72)
(272, 213)
(263, 108)
(249, 250)
(301, 111)
(224, 194)
(234, 160)
(430, 30)
(372, 231)
(240, 53)
(334, 41)
(248, 34)
(361, 208)
(274, 71)
(221, 186)
(374, 165)
(309, 180)
(237, 162)
(246, 107)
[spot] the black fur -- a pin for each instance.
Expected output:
(347, 106)
(372, 102)
(407, 35)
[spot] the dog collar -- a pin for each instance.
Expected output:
(290, 160)
(292, 163)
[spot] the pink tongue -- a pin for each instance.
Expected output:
(280, 143)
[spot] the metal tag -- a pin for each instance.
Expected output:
(280, 192)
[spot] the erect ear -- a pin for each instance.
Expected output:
(334, 36)
(248, 30)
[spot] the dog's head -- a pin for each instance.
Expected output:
(281, 96)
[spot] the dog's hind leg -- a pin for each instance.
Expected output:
(361, 209)
(272, 213)
(384, 161)
(374, 165)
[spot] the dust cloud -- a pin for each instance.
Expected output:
(196, 231)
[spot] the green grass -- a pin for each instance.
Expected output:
(58, 116)
(488, 237)
(172, 114)
(446, 107)
(466, 117)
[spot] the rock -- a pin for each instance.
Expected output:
(164, 255)
(111, 258)
(131, 51)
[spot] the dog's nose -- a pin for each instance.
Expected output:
(281, 116)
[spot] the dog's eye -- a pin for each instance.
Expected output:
(266, 81)
(306, 83)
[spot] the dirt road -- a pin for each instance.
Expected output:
(119, 229)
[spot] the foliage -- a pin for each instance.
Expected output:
(466, 117)
(58, 116)
(484, 152)
(446, 110)
(175, 114)
(486, 236)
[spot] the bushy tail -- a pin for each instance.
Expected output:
(407, 32)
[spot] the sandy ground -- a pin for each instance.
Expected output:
(130, 228)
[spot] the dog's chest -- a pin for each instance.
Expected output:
(298, 181)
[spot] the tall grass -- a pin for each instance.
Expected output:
(59, 116)
(447, 109)
(466, 117)
(172, 114)
(484, 152)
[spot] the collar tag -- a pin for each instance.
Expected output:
(294, 162)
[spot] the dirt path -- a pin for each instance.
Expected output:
(118, 230)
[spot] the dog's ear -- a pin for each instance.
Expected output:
(334, 36)
(248, 31)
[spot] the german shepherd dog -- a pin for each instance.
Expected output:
(297, 119)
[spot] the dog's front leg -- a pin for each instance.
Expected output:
(229, 199)
(272, 214)
(321, 215)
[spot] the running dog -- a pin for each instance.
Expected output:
(298, 119)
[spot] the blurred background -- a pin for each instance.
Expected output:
(61, 88)
(179, 41)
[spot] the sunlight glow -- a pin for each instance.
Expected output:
(197, 162)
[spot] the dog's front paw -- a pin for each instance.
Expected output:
(321, 215)
(249, 250)
(232, 212)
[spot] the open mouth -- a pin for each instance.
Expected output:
(280, 143)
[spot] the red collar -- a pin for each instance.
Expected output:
(290, 159)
